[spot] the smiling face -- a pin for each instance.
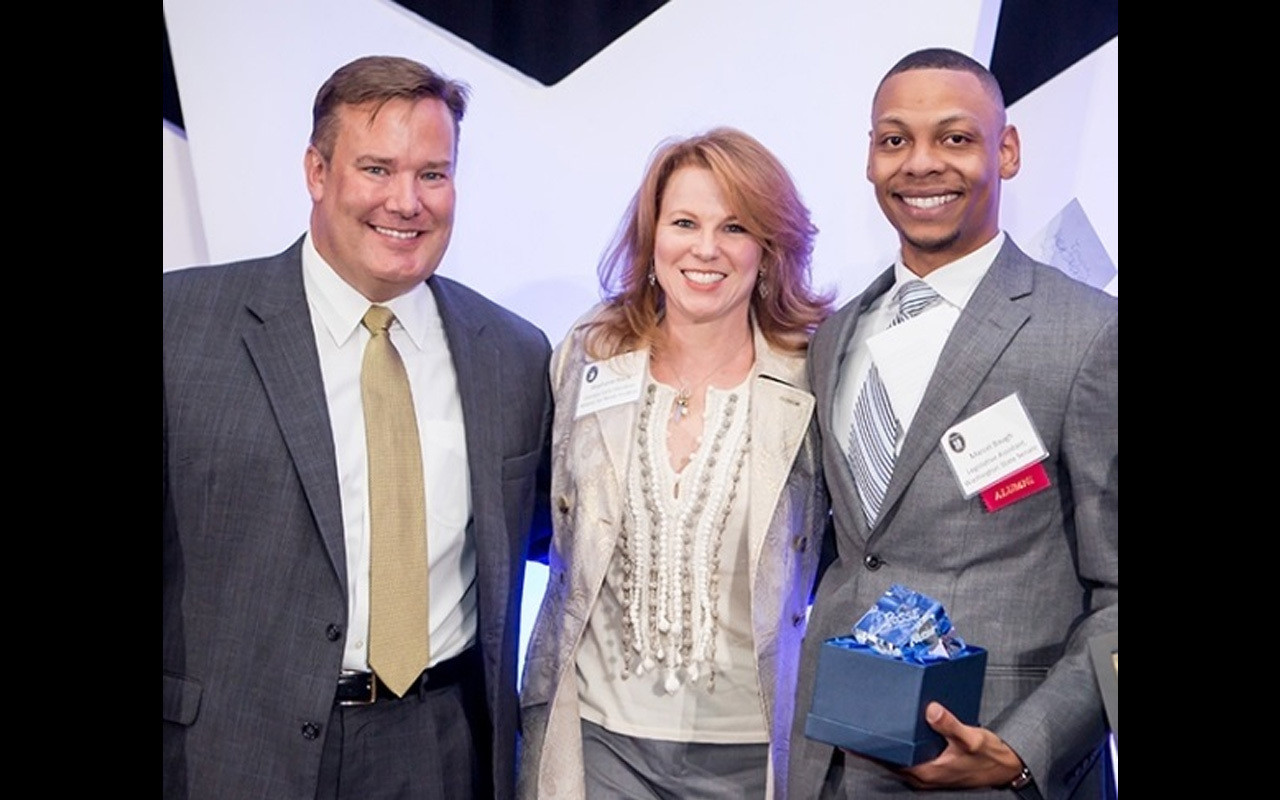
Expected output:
(939, 149)
(705, 260)
(382, 205)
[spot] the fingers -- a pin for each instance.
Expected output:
(966, 737)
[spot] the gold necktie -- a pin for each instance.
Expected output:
(398, 648)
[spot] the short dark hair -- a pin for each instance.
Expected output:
(946, 58)
(375, 80)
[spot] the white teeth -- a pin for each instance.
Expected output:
(704, 277)
(394, 234)
(929, 202)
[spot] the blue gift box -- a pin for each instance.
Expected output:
(874, 704)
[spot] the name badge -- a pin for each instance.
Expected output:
(610, 383)
(997, 452)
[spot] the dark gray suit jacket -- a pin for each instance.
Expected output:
(255, 584)
(1031, 582)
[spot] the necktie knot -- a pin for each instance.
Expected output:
(913, 297)
(378, 319)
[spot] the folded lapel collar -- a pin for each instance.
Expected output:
(477, 363)
(781, 409)
(616, 422)
(844, 495)
(283, 351)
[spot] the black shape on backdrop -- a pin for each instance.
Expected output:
(544, 39)
(172, 107)
(548, 39)
(1036, 40)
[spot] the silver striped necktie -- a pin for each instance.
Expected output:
(873, 437)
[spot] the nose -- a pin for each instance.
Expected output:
(706, 244)
(923, 159)
(402, 196)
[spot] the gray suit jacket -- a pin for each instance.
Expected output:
(1031, 582)
(255, 584)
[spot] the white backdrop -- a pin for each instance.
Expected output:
(545, 172)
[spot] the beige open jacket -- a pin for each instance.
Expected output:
(787, 512)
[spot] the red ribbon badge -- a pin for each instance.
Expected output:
(1020, 484)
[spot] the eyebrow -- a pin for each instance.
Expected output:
(383, 161)
(688, 212)
(893, 119)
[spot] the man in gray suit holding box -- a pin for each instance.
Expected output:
(275, 564)
(994, 490)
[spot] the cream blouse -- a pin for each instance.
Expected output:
(669, 655)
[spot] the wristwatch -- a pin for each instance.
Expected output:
(1023, 780)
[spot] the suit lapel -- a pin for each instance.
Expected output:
(617, 422)
(283, 351)
(478, 366)
(830, 351)
(780, 415)
(981, 334)
(598, 445)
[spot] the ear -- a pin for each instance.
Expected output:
(1010, 152)
(316, 170)
(870, 144)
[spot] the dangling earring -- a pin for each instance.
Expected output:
(653, 276)
(762, 287)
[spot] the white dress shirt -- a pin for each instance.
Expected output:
(336, 310)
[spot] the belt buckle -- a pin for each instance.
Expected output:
(373, 690)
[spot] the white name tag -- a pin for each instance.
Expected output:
(992, 444)
(611, 383)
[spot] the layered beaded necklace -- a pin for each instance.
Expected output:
(670, 548)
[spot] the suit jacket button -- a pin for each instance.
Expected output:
(562, 503)
(333, 633)
(801, 543)
(310, 731)
(872, 562)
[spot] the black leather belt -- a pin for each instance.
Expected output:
(363, 688)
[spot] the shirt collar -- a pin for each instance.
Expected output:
(955, 282)
(339, 307)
